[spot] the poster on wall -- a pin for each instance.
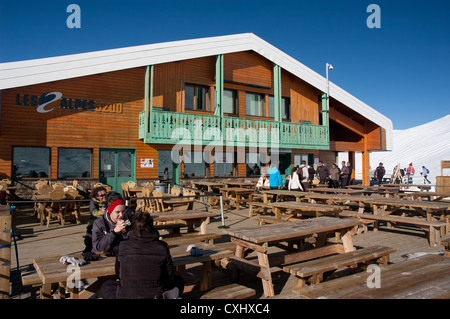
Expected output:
(146, 162)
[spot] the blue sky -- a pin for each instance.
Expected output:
(401, 69)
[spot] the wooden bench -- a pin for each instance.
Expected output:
(424, 277)
(172, 228)
(434, 228)
(188, 238)
(317, 270)
(268, 220)
(446, 242)
(30, 279)
(232, 291)
(256, 207)
(352, 214)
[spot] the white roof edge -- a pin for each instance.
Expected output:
(23, 73)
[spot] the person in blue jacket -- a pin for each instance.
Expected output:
(275, 181)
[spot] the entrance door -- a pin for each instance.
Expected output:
(285, 165)
(117, 166)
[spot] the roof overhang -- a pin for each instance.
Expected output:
(30, 72)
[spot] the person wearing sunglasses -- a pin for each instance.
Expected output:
(97, 208)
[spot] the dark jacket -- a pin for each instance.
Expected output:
(103, 237)
(379, 172)
(323, 172)
(144, 266)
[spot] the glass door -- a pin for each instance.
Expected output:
(117, 166)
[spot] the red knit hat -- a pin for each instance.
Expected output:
(114, 204)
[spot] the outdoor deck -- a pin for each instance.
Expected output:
(41, 241)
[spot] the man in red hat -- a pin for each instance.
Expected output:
(410, 172)
(112, 227)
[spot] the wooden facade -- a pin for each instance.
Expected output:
(102, 111)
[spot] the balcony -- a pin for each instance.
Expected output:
(200, 129)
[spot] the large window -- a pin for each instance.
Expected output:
(224, 164)
(194, 164)
(164, 163)
(196, 97)
(74, 163)
(229, 101)
(31, 162)
(285, 107)
(255, 104)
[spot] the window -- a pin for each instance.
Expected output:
(31, 162)
(196, 98)
(253, 164)
(285, 107)
(74, 162)
(164, 162)
(255, 104)
(194, 165)
(229, 101)
(224, 164)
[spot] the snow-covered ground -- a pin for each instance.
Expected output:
(426, 145)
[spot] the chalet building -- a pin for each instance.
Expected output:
(210, 107)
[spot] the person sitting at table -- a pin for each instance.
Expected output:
(111, 228)
(263, 181)
(294, 182)
(97, 207)
(143, 265)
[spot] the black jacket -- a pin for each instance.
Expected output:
(144, 266)
(103, 238)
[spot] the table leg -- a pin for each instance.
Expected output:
(239, 252)
(46, 291)
(205, 284)
(237, 201)
(263, 260)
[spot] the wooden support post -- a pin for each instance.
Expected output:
(5, 251)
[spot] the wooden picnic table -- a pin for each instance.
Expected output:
(423, 187)
(310, 209)
(258, 238)
(424, 277)
(207, 186)
(211, 187)
(239, 184)
(393, 205)
(43, 200)
(430, 196)
(338, 199)
(282, 194)
(179, 203)
(237, 194)
(189, 216)
(50, 270)
(335, 190)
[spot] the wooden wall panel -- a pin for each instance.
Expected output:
(168, 85)
(200, 71)
(304, 102)
(248, 68)
(22, 125)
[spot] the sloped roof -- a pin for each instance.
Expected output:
(23, 73)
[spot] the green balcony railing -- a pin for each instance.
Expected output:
(172, 128)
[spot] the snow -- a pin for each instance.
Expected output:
(425, 144)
